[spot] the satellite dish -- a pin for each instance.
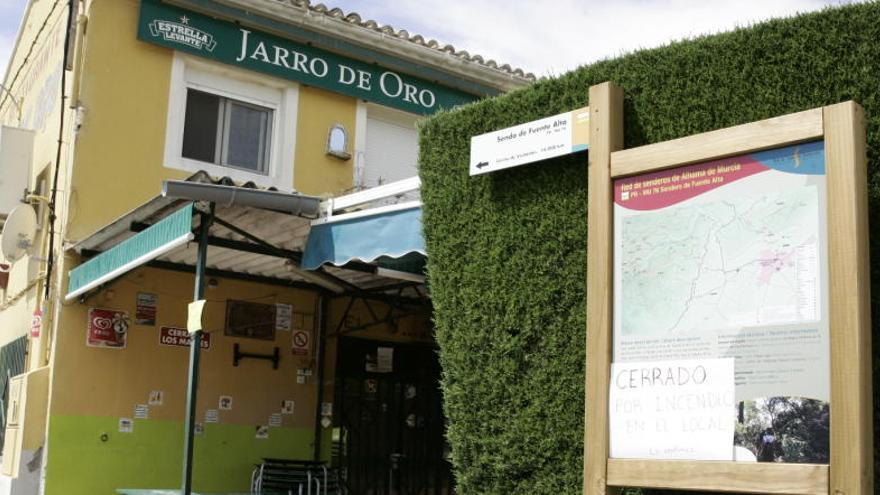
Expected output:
(19, 233)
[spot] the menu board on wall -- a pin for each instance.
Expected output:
(250, 319)
(728, 260)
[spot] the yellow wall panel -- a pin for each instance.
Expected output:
(317, 173)
(124, 95)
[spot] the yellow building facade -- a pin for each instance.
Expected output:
(116, 96)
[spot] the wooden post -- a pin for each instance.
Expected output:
(852, 450)
(606, 136)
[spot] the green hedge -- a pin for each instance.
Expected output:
(507, 250)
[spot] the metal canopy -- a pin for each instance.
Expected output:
(244, 242)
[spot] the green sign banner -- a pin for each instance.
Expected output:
(229, 43)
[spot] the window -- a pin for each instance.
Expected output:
(231, 122)
(337, 142)
(390, 148)
(226, 132)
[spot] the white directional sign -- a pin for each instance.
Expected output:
(549, 137)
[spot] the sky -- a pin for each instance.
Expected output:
(545, 38)
(551, 37)
(10, 16)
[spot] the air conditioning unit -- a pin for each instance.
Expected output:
(16, 153)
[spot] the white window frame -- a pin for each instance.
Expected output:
(236, 84)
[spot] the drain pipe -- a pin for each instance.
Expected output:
(321, 343)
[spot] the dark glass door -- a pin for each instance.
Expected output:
(389, 414)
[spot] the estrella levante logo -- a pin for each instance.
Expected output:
(181, 32)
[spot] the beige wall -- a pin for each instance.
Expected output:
(111, 382)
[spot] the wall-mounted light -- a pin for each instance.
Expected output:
(337, 142)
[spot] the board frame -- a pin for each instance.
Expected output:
(842, 127)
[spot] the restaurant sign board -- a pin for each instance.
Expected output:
(234, 44)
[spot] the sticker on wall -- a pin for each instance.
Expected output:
(180, 337)
(301, 342)
(275, 420)
(107, 328)
(212, 416)
(157, 397)
(283, 316)
(326, 422)
(145, 310)
(326, 409)
(411, 391)
(287, 407)
(300, 380)
(262, 432)
(141, 411)
(126, 425)
(225, 403)
(198, 429)
(36, 323)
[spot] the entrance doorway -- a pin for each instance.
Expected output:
(391, 428)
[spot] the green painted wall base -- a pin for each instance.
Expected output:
(81, 463)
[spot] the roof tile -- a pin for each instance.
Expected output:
(370, 24)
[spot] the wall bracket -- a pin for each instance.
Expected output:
(238, 355)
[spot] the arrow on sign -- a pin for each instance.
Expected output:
(482, 164)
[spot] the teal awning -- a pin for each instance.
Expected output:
(160, 238)
(370, 238)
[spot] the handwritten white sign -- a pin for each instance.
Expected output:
(672, 409)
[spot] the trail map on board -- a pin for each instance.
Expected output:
(728, 259)
(739, 262)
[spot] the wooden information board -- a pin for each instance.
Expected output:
(728, 323)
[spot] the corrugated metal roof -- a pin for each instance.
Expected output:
(280, 230)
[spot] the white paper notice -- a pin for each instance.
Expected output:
(672, 409)
(283, 313)
(275, 420)
(385, 359)
(141, 411)
(126, 425)
(212, 416)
